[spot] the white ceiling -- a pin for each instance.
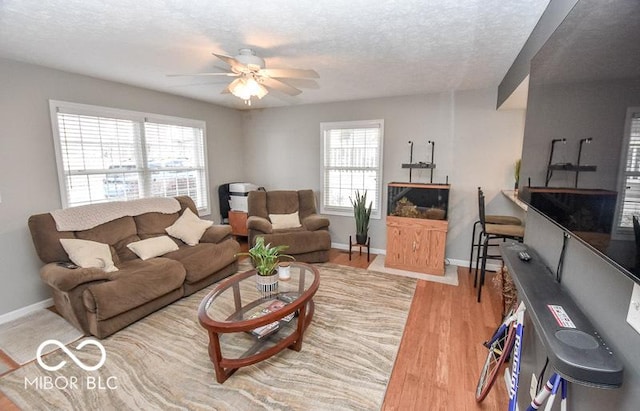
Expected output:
(360, 48)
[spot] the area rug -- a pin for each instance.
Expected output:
(450, 275)
(161, 362)
(3, 367)
(20, 338)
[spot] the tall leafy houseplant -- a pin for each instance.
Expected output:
(265, 257)
(362, 213)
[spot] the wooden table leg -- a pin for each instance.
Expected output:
(302, 318)
(215, 354)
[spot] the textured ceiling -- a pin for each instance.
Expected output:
(360, 48)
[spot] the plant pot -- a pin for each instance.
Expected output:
(267, 284)
(361, 239)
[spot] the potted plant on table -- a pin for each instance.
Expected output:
(362, 213)
(265, 259)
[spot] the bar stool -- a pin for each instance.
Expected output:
(492, 232)
(476, 242)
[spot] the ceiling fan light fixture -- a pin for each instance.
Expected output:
(246, 87)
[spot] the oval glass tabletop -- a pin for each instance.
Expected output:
(237, 299)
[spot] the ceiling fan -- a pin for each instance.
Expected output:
(254, 79)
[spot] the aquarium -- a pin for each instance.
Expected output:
(415, 200)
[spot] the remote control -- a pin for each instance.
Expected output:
(524, 256)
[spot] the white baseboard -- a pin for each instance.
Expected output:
(345, 247)
(20, 312)
(465, 263)
(452, 261)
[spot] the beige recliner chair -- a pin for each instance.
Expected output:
(290, 218)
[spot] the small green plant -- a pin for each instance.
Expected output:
(516, 173)
(362, 213)
(265, 257)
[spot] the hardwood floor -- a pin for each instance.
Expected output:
(441, 351)
(5, 403)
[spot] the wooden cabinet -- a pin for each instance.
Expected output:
(416, 244)
(238, 223)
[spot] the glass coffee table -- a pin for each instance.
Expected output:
(246, 327)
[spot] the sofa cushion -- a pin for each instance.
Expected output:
(89, 254)
(307, 203)
(154, 224)
(216, 233)
(203, 259)
(137, 283)
(117, 233)
(299, 240)
(189, 228)
(315, 222)
(46, 238)
(153, 247)
(282, 202)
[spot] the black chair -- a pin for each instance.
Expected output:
(492, 232)
(476, 241)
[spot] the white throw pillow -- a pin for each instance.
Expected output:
(152, 247)
(89, 254)
(281, 221)
(189, 228)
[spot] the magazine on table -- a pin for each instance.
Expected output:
(264, 330)
(270, 328)
(277, 305)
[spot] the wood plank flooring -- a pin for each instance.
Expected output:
(441, 352)
(5, 403)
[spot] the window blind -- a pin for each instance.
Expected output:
(352, 153)
(631, 201)
(106, 155)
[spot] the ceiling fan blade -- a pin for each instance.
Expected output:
(280, 86)
(235, 64)
(289, 73)
(203, 74)
(303, 83)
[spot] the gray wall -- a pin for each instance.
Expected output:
(475, 146)
(28, 176)
(278, 148)
(603, 293)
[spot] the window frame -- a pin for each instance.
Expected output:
(325, 127)
(620, 232)
(55, 106)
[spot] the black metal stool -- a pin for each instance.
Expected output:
(476, 242)
(491, 232)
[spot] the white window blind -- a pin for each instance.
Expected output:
(105, 155)
(629, 203)
(351, 160)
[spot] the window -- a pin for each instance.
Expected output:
(351, 160)
(629, 182)
(106, 154)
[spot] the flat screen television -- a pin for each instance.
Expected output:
(581, 151)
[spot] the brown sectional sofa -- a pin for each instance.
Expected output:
(101, 303)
